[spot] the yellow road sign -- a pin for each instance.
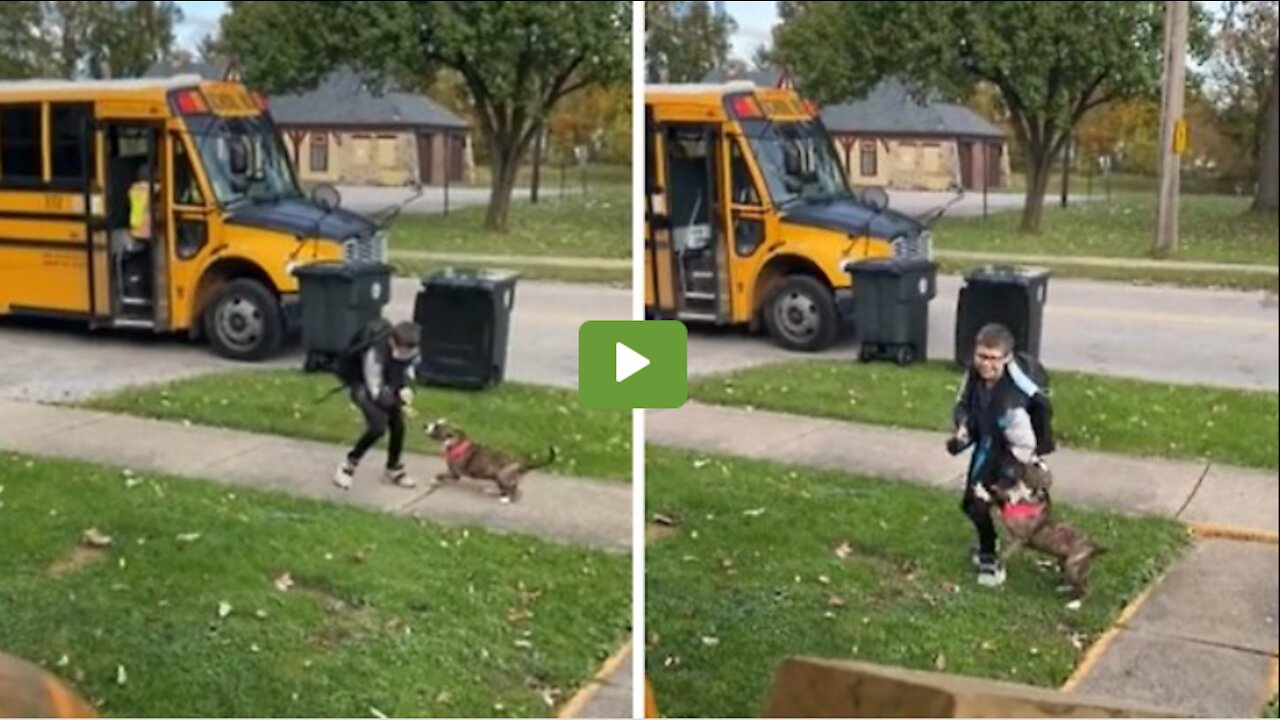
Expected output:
(1180, 136)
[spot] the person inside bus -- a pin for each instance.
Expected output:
(137, 251)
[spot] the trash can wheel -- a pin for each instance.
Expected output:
(904, 355)
(868, 352)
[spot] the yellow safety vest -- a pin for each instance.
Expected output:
(140, 210)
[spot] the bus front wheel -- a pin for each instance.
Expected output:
(243, 321)
(801, 315)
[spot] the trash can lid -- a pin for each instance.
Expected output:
(1008, 274)
(470, 277)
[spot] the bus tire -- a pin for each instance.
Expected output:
(801, 315)
(243, 321)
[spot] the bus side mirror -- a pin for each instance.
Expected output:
(876, 197)
(326, 197)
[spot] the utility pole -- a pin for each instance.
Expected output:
(1173, 128)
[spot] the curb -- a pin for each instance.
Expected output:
(1212, 531)
(588, 691)
(1099, 647)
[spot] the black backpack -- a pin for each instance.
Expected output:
(1039, 403)
(350, 363)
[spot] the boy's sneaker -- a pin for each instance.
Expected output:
(975, 555)
(990, 572)
(344, 475)
(398, 476)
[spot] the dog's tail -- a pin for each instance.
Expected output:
(551, 457)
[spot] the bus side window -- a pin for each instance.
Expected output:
(744, 188)
(21, 145)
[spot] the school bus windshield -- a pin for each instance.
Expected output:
(797, 160)
(270, 175)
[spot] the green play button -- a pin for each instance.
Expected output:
(625, 364)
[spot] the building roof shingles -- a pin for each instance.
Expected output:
(343, 99)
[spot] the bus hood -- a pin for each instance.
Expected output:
(854, 218)
(303, 218)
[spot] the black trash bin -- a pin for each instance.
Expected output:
(891, 307)
(338, 299)
(1010, 295)
(465, 316)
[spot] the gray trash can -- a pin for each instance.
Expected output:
(891, 307)
(1010, 295)
(465, 316)
(338, 299)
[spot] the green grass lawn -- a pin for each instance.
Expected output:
(602, 276)
(768, 561)
(595, 225)
(385, 614)
(1212, 228)
(1092, 412)
(519, 418)
(1273, 709)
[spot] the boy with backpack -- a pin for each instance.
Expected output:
(377, 369)
(1003, 411)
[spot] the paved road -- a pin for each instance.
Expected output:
(917, 203)
(1178, 335)
(1171, 334)
(57, 362)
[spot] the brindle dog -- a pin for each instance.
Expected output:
(466, 458)
(1026, 512)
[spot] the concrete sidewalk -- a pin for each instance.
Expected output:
(569, 510)
(1202, 639)
(1193, 492)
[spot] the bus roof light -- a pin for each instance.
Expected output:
(190, 103)
(746, 107)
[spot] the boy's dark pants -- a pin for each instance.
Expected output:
(378, 419)
(979, 513)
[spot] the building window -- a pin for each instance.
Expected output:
(20, 145)
(869, 161)
(319, 152)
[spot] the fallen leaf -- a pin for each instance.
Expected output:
(664, 520)
(224, 609)
(940, 662)
(824, 579)
(64, 661)
(844, 550)
(284, 582)
(261, 614)
(499, 707)
(710, 641)
(122, 563)
(949, 587)
(1074, 605)
(444, 698)
(754, 512)
(188, 537)
(1035, 651)
(988, 646)
(254, 648)
(131, 483)
(93, 538)
(1078, 640)
(835, 601)
(122, 677)
(523, 644)
(699, 464)
(377, 713)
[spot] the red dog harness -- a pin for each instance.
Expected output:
(456, 451)
(1021, 511)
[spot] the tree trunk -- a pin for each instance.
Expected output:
(505, 163)
(1038, 169)
(535, 181)
(1269, 157)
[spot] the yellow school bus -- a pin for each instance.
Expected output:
(750, 220)
(228, 221)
